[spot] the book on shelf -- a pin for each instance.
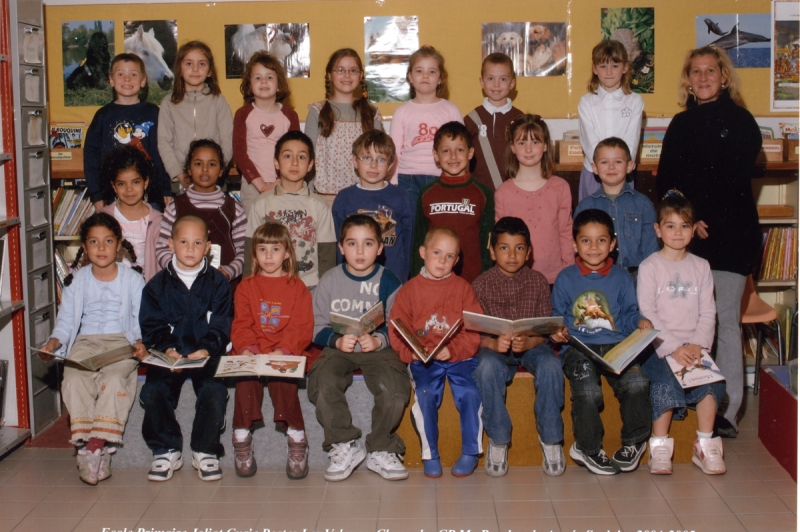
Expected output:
(157, 358)
(620, 357)
(292, 366)
(365, 324)
(779, 255)
(526, 326)
(417, 347)
(66, 135)
(94, 362)
(704, 372)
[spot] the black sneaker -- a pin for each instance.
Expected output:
(627, 458)
(724, 428)
(598, 464)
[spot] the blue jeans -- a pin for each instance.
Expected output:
(631, 388)
(492, 376)
(666, 392)
(414, 183)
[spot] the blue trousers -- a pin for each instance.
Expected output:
(414, 183)
(428, 392)
(492, 376)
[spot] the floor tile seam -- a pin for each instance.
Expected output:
(789, 510)
(687, 517)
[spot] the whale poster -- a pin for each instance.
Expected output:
(746, 38)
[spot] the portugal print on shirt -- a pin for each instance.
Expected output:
(592, 312)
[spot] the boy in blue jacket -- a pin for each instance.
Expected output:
(186, 311)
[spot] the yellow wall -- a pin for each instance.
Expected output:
(452, 26)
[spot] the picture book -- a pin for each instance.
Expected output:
(526, 327)
(703, 372)
(67, 135)
(415, 345)
(368, 322)
(262, 365)
(94, 362)
(157, 358)
(623, 353)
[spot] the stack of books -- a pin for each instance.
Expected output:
(70, 208)
(779, 257)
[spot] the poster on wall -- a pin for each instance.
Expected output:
(634, 27)
(388, 43)
(156, 42)
(87, 47)
(536, 48)
(784, 93)
(744, 37)
(289, 43)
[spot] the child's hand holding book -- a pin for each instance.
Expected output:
(139, 351)
(561, 337)
(687, 355)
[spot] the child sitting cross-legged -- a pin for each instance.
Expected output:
(430, 304)
(512, 291)
(186, 311)
(598, 302)
(351, 289)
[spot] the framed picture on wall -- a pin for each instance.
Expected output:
(156, 42)
(87, 47)
(784, 61)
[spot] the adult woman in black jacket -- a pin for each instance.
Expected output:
(709, 154)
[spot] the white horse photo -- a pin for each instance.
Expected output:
(145, 45)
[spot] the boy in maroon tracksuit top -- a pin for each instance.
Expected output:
(457, 201)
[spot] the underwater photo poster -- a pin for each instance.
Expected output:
(535, 48)
(634, 27)
(745, 37)
(785, 63)
(388, 43)
(290, 43)
(87, 47)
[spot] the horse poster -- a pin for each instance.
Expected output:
(87, 47)
(156, 42)
(289, 43)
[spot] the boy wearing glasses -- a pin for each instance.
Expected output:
(374, 196)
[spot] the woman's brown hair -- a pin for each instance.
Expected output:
(179, 88)
(424, 52)
(270, 62)
(610, 51)
(529, 126)
(361, 105)
(732, 83)
(274, 233)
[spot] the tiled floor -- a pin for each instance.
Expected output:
(40, 491)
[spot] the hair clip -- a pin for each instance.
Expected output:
(674, 193)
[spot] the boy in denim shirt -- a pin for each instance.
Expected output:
(632, 213)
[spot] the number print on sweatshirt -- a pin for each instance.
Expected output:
(304, 235)
(384, 216)
(426, 134)
(592, 312)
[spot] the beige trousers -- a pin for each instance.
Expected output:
(99, 401)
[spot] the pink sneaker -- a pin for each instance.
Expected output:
(707, 455)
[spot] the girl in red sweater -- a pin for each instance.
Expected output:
(272, 315)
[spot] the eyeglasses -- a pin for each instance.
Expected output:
(342, 71)
(382, 161)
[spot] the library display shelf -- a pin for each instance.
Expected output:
(9, 307)
(9, 222)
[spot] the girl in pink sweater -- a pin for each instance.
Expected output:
(537, 196)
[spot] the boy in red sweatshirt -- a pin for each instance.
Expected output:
(430, 304)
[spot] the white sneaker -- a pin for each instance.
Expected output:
(496, 463)
(105, 464)
(660, 460)
(207, 466)
(553, 461)
(164, 465)
(89, 465)
(387, 465)
(344, 457)
(708, 455)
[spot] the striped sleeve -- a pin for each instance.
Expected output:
(163, 254)
(236, 267)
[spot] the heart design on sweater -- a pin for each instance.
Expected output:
(267, 130)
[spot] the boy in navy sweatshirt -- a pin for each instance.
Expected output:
(598, 302)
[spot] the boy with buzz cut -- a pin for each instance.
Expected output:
(512, 291)
(487, 124)
(430, 304)
(456, 201)
(187, 311)
(351, 289)
(632, 212)
(373, 195)
(598, 302)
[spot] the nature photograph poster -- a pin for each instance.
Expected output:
(535, 48)
(634, 27)
(156, 43)
(87, 47)
(289, 43)
(388, 44)
(746, 38)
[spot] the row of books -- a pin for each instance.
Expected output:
(62, 270)
(71, 206)
(779, 257)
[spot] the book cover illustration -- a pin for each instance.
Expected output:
(157, 358)
(703, 372)
(66, 136)
(93, 362)
(365, 324)
(417, 347)
(497, 326)
(617, 359)
(292, 366)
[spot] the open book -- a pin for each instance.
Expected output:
(94, 362)
(262, 365)
(527, 326)
(157, 358)
(623, 354)
(368, 322)
(703, 372)
(417, 347)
